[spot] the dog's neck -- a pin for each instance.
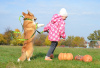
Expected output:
(28, 19)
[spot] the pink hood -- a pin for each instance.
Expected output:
(55, 18)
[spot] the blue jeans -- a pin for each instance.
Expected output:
(52, 48)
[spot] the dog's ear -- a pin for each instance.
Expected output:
(23, 13)
(29, 12)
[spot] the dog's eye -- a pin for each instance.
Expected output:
(34, 19)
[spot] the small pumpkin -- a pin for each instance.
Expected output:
(69, 56)
(78, 57)
(87, 58)
(62, 56)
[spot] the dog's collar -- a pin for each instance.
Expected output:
(28, 19)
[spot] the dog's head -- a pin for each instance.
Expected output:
(29, 16)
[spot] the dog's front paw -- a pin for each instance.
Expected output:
(40, 25)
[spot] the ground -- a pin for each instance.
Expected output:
(10, 54)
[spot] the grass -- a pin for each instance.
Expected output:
(10, 54)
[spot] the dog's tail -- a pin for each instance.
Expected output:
(23, 56)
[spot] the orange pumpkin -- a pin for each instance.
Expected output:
(65, 56)
(87, 58)
(62, 56)
(78, 57)
(69, 56)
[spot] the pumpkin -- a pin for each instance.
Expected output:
(87, 58)
(78, 57)
(62, 56)
(69, 56)
(65, 56)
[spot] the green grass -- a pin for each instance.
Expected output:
(10, 54)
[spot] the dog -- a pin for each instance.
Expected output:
(29, 27)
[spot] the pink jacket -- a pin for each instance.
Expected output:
(56, 28)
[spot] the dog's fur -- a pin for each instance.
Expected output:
(29, 29)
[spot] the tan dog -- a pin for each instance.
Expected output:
(29, 28)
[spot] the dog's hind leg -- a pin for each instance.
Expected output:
(29, 54)
(23, 57)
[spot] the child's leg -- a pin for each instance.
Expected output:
(52, 48)
(55, 47)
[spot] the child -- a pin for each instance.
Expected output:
(56, 28)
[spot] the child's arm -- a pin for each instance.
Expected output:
(46, 28)
(62, 29)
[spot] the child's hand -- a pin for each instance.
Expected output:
(46, 31)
